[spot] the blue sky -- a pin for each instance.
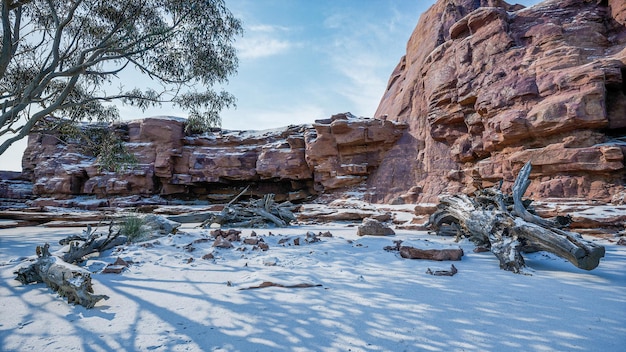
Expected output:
(306, 60)
(302, 60)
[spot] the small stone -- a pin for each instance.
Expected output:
(251, 241)
(220, 242)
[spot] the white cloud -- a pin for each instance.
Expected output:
(255, 118)
(261, 46)
(364, 50)
(336, 20)
(365, 83)
(362, 62)
(268, 28)
(263, 40)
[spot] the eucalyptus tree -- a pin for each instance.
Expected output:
(67, 60)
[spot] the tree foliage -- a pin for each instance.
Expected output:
(66, 58)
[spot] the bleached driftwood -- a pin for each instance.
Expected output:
(254, 213)
(90, 242)
(505, 225)
(61, 275)
(68, 280)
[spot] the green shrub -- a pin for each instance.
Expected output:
(133, 227)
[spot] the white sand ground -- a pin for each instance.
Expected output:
(370, 299)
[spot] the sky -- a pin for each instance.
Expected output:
(302, 60)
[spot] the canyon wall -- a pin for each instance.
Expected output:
(294, 162)
(483, 88)
(486, 86)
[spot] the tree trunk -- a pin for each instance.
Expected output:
(487, 221)
(61, 275)
(68, 280)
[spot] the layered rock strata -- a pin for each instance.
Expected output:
(486, 86)
(14, 187)
(294, 162)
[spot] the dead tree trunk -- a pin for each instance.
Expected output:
(61, 275)
(68, 280)
(505, 225)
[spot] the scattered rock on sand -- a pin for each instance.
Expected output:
(221, 242)
(431, 254)
(373, 227)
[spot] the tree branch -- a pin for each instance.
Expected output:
(30, 123)
(519, 188)
(7, 38)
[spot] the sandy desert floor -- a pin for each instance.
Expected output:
(369, 299)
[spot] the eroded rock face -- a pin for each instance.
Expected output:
(486, 86)
(294, 162)
(342, 154)
(14, 187)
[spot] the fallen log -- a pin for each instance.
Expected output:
(506, 226)
(68, 280)
(61, 275)
(254, 213)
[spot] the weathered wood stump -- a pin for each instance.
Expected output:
(68, 280)
(504, 224)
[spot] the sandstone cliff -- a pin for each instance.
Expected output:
(486, 86)
(294, 162)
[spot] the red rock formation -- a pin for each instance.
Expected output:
(485, 87)
(13, 187)
(294, 162)
(343, 154)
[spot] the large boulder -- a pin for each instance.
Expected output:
(373, 227)
(486, 86)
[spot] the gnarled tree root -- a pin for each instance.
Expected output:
(487, 221)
